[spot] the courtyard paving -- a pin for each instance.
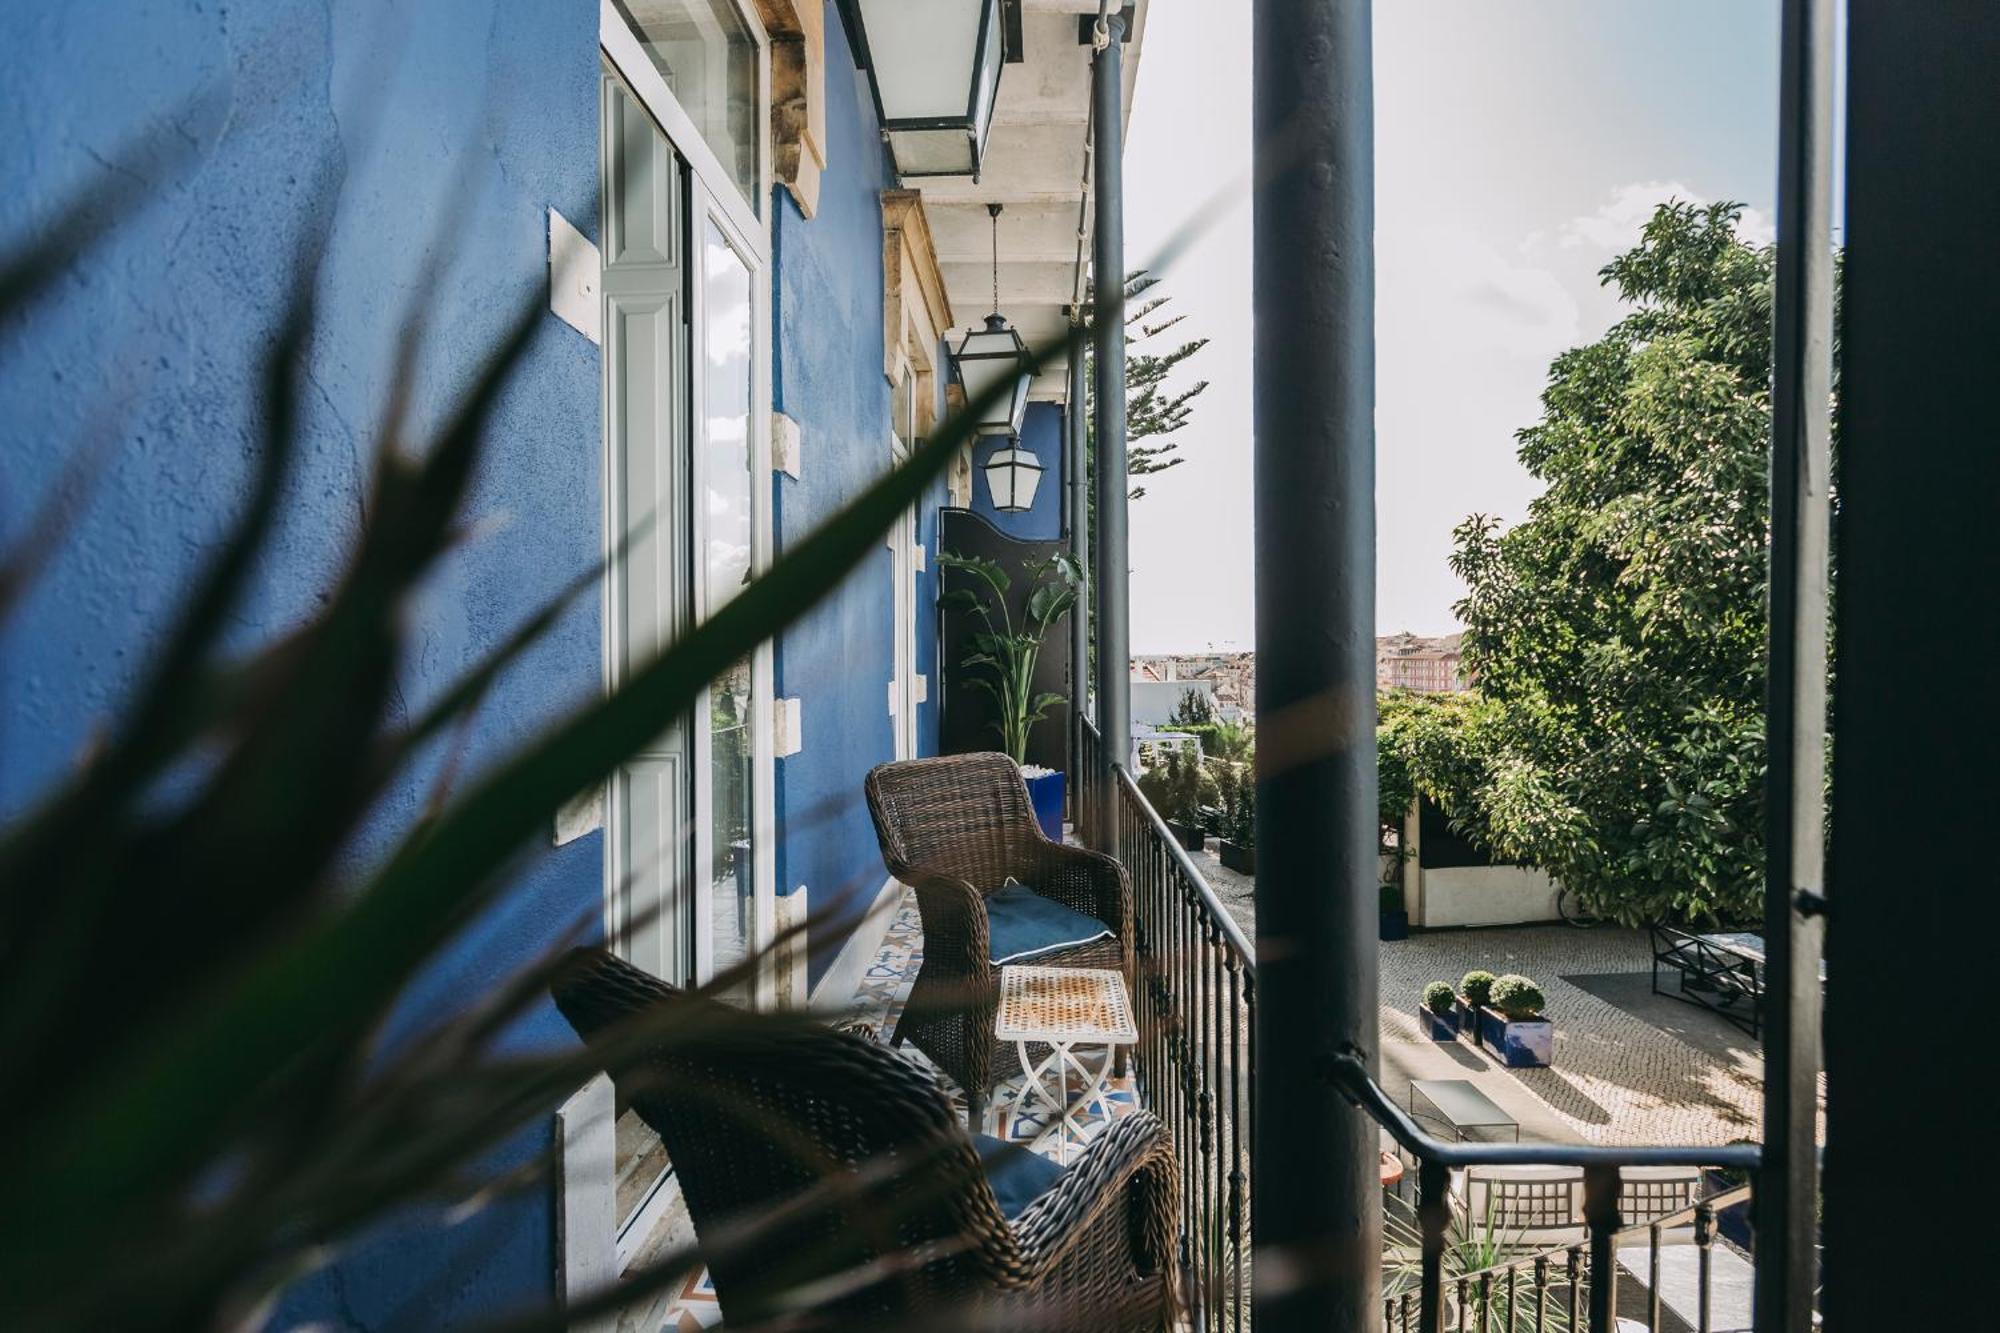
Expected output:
(1631, 1067)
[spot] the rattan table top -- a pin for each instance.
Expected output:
(1064, 1004)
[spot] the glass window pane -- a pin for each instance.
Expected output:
(705, 52)
(727, 566)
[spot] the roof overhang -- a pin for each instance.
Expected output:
(1035, 161)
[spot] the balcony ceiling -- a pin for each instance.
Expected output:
(1034, 166)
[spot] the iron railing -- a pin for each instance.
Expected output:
(1589, 1273)
(1196, 998)
(1546, 1288)
(1195, 1001)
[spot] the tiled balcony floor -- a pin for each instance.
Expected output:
(884, 990)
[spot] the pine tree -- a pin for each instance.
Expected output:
(1153, 410)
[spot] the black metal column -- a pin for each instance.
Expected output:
(1795, 715)
(1917, 538)
(1316, 1197)
(1078, 468)
(1107, 267)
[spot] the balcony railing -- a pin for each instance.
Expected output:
(1196, 1005)
(1196, 1001)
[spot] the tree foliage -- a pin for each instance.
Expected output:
(1154, 411)
(1618, 632)
(1193, 710)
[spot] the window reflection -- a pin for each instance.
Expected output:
(706, 55)
(727, 567)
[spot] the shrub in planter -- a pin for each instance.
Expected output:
(1239, 816)
(1511, 1025)
(1179, 785)
(1395, 921)
(1474, 989)
(1517, 997)
(1440, 1011)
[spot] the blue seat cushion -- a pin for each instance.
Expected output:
(1022, 925)
(1018, 1176)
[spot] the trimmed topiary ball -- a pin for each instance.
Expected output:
(1439, 999)
(1518, 997)
(1477, 987)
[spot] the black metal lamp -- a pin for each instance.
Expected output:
(987, 358)
(1012, 474)
(934, 67)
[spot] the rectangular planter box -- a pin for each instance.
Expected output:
(1394, 926)
(1468, 1020)
(1440, 1027)
(1191, 837)
(1045, 793)
(1241, 859)
(1519, 1045)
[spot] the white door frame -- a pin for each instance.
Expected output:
(712, 194)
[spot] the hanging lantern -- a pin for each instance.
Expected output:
(990, 357)
(934, 68)
(1012, 474)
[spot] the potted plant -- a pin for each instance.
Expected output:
(1239, 819)
(1395, 921)
(1474, 989)
(1439, 1011)
(1177, 785)
(1006, 654)
(1512, 1026)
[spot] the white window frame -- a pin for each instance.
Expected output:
(749, 219)
(713, 194)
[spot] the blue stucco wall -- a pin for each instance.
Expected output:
(828, 377)
(452, 126)
(1041, 434)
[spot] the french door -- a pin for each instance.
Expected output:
(688, 886)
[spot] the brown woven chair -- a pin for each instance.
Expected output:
(955, 829)
(831, 1186)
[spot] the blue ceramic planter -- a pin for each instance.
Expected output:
(1045, 793)
(1441, 1027)
(1523, 1044)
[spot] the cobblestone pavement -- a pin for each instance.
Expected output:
(1644, 1069)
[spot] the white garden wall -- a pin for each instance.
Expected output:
(1483, 896)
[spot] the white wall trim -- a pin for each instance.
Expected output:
(837, 988)
(586, 1197)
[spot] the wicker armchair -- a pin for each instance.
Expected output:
(831, 1186)
(955, 829)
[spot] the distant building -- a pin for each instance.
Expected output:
(1229, 680)
(1410, 662)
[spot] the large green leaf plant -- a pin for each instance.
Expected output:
(1003, 655)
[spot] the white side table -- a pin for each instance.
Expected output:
(1064, 1008)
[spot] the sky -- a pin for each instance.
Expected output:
(1519, 144)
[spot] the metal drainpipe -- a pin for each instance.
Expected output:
(1079, 534)
(1787, 1198)
(1114, 686)
(1316, 1194)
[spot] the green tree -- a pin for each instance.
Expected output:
(1153, 410)
(1193, 710)
(1619, 629)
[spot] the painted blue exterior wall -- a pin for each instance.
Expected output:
(451, 127)
(1042, 434)
(827, 376)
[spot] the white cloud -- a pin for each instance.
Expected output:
(1463, 292)
(1615, 226)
